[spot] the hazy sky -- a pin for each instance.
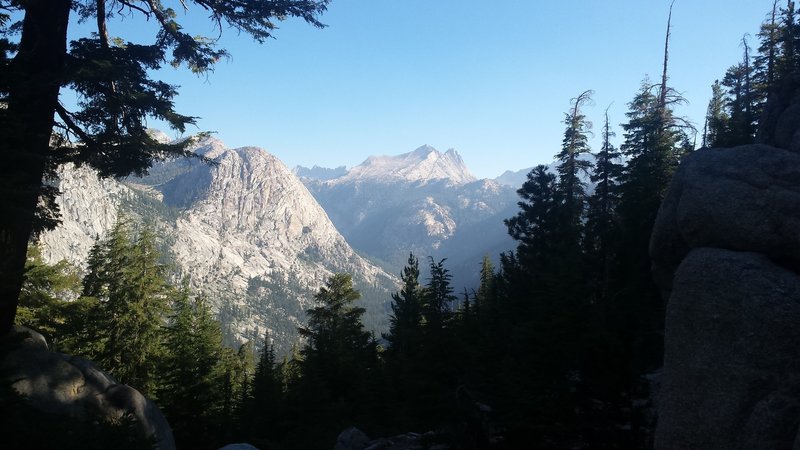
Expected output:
(490, 79)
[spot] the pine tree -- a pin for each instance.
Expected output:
(338, 350)
(45, 295)
(535, 225)
(571, 166)
(266, 392)
(653, 144)
(437, 299)
(740, 129)
(265, 409)
(485, 298)
(127, 278)
(787, 62)
(191, 374)
(717, 120)
(602, 220)
(116, 97)
(406, 317)
(769, 52)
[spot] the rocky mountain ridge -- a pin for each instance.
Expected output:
(425, 202)
(243, 230)
(423, 165)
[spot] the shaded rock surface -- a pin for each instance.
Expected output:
(726, 252)
(61, 384)
(355, 439)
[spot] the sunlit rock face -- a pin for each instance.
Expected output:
(423, 202)
(244, 230)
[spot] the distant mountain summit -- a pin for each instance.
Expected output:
(513, 178)
(320, 173)
(424, 201)
(422, 165)
(244, 230)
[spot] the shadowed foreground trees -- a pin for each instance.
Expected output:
(117, 95)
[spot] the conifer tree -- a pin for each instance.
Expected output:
(45, 295)
(571, 166)
(535, 225)
(265, 403)
(602, 221)
(125, 275)
(267, 378)
(717, 119)
(338, 350)
(787, 63)
(406, 317)
(117, 96)
(740, 127)
(485, 297)
(191, 372)
(653, 144)
(437, 299)
(766, 59)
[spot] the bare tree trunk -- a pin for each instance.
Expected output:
(35, 76)
(662, 100)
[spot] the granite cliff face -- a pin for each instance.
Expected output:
(244, 230)
(89, 207)
(726, 253)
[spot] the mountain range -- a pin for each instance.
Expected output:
(260, 239)
(243, 230)
(425, 202)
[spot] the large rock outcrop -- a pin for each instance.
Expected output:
(64, 385)
(726, 252)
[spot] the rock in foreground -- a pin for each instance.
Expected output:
(62, 385)
(726, 249)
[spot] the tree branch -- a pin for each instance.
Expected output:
(134, 7)
(72, 126)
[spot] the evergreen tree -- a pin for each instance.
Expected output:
(486, 296)
(406, 317)
(535, 225)
(116, 94)
(717, 119)
(338, 350)
(127, 278)
(267, 386)
(765, 61)
(437, 299)
(571, 166)
(787, 63)
(335, 362)
(653, 144)
(602, 221)
(45, 295)
(191, 374)
(740, 128)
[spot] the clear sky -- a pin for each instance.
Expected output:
(491, 79)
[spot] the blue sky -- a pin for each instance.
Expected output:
(490, 79)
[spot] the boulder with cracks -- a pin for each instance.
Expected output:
(726, 254)
(59, 384)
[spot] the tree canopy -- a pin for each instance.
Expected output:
(116, 92)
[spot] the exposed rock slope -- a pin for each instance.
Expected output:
(245, 230)
(423, 164)
(423, 202)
